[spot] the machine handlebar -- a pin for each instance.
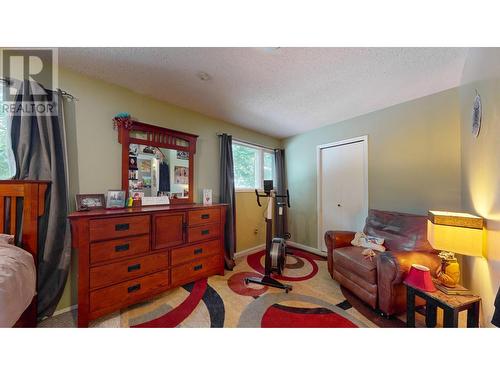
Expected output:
(267, 194)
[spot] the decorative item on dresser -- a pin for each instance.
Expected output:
(18, 286)
(131, 254)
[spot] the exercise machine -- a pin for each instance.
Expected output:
(276, 250)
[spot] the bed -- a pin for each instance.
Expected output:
(18, 250)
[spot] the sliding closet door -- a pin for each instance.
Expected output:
(342, 186)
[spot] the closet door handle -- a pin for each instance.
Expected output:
(123, 247)
(134, 267)
(205, 232)
(205, 216)
(198, 251)
(120, 227)
(198, 267)
(134, 288)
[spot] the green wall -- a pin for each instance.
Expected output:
(481, 171)
(94, 151)
(414, 160)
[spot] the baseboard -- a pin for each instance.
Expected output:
(249, 251)
(65, 310)
(306, 248)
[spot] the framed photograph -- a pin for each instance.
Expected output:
(85, 202)
(115, 199)
(181, 175)
(145, 166)
(132, 162)
(183, 155)
(133, 149)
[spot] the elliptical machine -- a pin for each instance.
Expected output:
(276, 250)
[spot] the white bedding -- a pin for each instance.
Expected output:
(17, 282)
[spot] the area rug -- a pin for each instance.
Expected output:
(226, 301)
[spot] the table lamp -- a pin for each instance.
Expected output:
(454, 232)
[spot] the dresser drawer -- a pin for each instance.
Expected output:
(115, 249)
(203, 232)
(192, 271)
(206, 216)
(128, 292)
(104, 229)
(194, 252)
(128, 269)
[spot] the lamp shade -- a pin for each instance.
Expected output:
(456, 232)
(420, 277)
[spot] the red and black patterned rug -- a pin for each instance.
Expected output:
(226, 301)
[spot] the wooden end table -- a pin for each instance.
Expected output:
(450, 303)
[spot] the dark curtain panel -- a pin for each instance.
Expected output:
(38, 141)
(164, 185)
(496, 315)
(227, 195)
(279, 164)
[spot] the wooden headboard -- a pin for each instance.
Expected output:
(32, 196)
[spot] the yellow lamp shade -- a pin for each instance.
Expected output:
(456, 232)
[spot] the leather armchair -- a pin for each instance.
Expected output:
(392, 268)
(379, 283)
(335, 239)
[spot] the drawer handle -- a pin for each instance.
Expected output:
(198, 251)
(134, 267)
(123, 247)
(198, 267)
(204, 232)
(205, 216)
(120, 227)
(134, 288)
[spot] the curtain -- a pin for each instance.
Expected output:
(279, 164)
(38, 141)
(227, 195)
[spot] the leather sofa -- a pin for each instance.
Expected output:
(379, 282)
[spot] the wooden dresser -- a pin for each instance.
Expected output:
(128, 255)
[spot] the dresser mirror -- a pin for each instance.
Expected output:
(157, 162)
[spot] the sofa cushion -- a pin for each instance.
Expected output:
(400, 231)
(351, 259)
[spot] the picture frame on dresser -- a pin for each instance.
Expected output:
(86, 202)
(115, 199)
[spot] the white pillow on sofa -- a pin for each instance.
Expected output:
(368, 242)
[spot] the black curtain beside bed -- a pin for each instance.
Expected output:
(38, 142)
(227, 195)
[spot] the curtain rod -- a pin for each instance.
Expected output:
(247, 142)
(63, 93)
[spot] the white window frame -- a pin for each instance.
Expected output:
(260, 159)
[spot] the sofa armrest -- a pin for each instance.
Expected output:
(335, 239)
(392, 268)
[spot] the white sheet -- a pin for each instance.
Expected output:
(17, 283)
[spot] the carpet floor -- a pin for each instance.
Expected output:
(227, 301)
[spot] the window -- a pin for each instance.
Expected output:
(252, 165)
(7, 162)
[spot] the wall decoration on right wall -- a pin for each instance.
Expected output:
(476, 115)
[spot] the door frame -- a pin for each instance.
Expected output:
(319, 148)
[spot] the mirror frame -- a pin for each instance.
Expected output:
(157, 136)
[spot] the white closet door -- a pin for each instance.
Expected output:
(343, 187)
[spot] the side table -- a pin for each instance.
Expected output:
(451, 305)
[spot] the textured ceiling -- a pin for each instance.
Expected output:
(280, 92)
